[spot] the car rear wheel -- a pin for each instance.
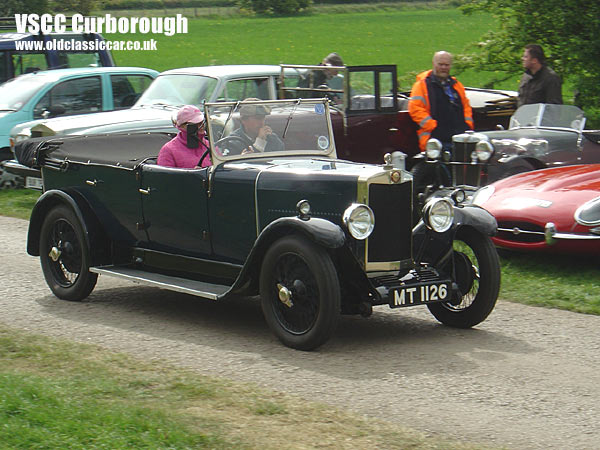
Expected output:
(64, 255)
(477, 273)
(300, 293)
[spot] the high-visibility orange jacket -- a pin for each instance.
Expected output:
(419, 107)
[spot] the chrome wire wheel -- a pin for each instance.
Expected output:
(476, 271)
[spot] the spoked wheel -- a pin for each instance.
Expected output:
(300, 293)
(477, 273)
(64, 255)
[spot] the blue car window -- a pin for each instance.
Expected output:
(78, 96)
(127, 89)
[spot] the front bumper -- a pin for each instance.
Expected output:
(14, 167)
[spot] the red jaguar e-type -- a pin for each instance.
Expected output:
(554, 210)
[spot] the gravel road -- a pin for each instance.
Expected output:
(527, 378)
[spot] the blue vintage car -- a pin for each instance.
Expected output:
(68, 92)
(314, 236)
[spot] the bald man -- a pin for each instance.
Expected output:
(438, 104)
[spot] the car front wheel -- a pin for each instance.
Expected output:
(300, 292)
(477, 273)
(64, 255)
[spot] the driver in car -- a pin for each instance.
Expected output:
(253, 135)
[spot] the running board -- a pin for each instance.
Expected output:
(193, 287)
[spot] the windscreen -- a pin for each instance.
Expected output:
(178, 90)
(16, 92)
(548, 116)
(251, 128)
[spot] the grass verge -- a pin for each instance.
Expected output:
(556, 281)
(17, 202)
(58, 394)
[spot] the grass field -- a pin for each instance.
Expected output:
(405, 38)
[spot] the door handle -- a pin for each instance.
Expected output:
(93, 182)
(393, 129)
(145, 191)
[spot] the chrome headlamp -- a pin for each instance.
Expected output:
(438, 214)
(484, 150)
(433, 148)
(359, 220)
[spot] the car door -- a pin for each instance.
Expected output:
(371, 110)
(175, 209)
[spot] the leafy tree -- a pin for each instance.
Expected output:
(84, 7)
(568, 30)
(276, 7)
(8, 8)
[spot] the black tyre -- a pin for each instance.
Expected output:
(477, 273)
(300, 293)
(64, 255)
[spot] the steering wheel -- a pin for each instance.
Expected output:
(204, 155)
(237, 141)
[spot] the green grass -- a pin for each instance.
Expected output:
(407, 39)
(557, 281)
(17, 202)
(56, 394)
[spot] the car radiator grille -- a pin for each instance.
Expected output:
(391, 239)
(520, 232)
(466, 173)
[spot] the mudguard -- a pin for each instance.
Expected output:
(434, 247)
(74, 200)
(322, 232)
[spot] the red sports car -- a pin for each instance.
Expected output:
(554, 210)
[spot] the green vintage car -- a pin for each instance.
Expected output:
(314, 236)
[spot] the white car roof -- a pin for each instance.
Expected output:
(228, 71)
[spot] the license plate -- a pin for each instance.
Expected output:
(419, 295)
(34, 183)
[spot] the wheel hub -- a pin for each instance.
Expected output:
(285, 295)
(55, 254)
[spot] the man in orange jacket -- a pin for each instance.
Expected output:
(438, 103)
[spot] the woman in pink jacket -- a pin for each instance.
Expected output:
(185, 151)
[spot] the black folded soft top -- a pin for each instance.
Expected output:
(126, 150)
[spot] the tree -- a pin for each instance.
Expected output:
(568, 30)
(277, 7)
(8, 8)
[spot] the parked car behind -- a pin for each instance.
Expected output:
(67, 93)
(315, 236)
(549, 210)
(539, 136)
(15, 62)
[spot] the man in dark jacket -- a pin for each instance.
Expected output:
(322, 77)
(539, 83)
(254, 135)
